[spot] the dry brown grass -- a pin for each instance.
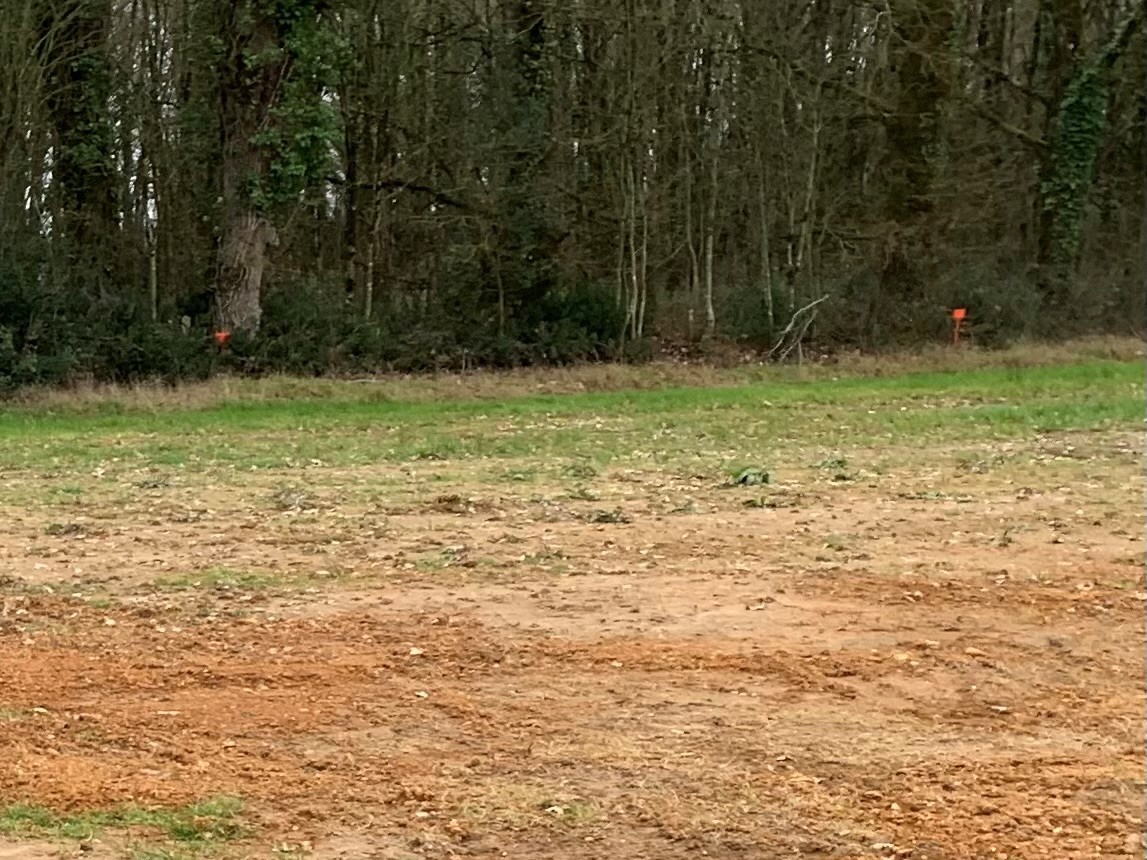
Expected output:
(496, 385)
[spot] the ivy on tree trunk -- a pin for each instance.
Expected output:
(1081, 121)
(276, 59)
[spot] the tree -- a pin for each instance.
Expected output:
(74, 49)
(1078, 127)
(275, 62)
(523, 265)
(921, 32)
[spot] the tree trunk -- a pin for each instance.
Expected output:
(765, 260)
(643, 256)
(352, 196)
(152, 272)
(710, 229)
(242, 261)
(74, 39)
(694, 276)
(1070, 165)
(529, 237)
(921, 32)
(804, 243)
(249, 89)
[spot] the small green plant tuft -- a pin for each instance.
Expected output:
(580, 470)
(764, 502)
(519, 476)
(446, 557)
(753, 476)
(64, 529)
(292, 498)
(582, 494)
(835, 543)
(616, 516)
(833, 464)
(220, 579)
(571, 813)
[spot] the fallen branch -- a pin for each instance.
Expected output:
(805, 317)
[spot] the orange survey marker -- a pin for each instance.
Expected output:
(959, 323)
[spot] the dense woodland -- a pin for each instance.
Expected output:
(353, 185)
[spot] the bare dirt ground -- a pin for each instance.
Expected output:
(928, 663)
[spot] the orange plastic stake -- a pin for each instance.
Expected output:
(959, 315)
